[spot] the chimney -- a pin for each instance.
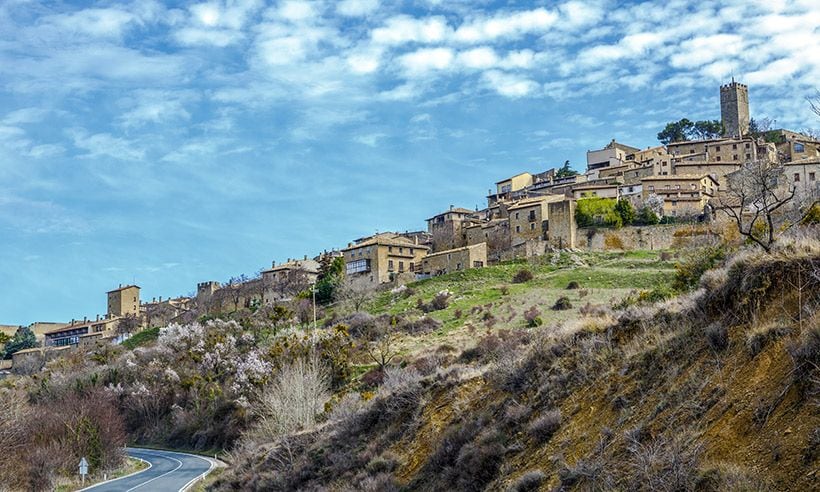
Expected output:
(153, 299)
(451, 208)
(120, 287)
(85, 319)
(98, 317)
(272, 264)
(305, 258)
(160, 298)
(415, 240)
(72, 321)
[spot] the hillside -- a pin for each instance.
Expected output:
(713, 390)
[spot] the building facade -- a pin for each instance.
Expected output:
(124, 300)
(454, 260)
(380, 259)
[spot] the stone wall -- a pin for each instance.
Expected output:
(649, 237)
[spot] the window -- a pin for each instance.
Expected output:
(747, 145)
(390, 249)
(390, 265)
(532, 226)
(691, 151)
(796, 177)
(358, 266)
(811, 176)
(401, 250)
(532, 215)
(677, 186)
(410, 250)
(748, 156)
(734, 157)
(717, 158)
(458, 266)
(717, 148)
(651, 187)
(517, 228)
(478, 264)
(674, 203)
(412, 266)
(401, 266)
(516, 216)
(798, 147)
(734, 146)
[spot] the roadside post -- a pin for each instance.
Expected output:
(83, 469)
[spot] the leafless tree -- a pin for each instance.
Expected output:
(293, 399)
(128, 324)
(159, 314)
(762, 203)
(355, 294)
(289, 284)
(382, 350)
(814, 102)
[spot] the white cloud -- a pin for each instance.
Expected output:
(213, 37)
(402, 29)
(706, 49)
(94, 22)
(370, 139)
(296, 10)
(156, 107)
(775, 72)
(357, 8)
(506, 25)
(105, 145)
(478, 58)
(25, 115)
(426, 60)
(510, 85)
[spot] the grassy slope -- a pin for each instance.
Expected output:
(603, 277)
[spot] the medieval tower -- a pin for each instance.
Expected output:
(734, 109)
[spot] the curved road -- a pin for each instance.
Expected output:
(169, 472)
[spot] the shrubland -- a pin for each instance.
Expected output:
(591, 371)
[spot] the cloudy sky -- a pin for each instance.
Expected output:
(166, 144)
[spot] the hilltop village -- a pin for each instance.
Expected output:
(528, 214)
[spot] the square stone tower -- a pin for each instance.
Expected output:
(124, 300)
(734, 109)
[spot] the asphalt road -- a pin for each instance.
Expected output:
(169, 472)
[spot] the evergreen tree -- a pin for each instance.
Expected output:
(565, 171)
(625, 210)
(23, 339)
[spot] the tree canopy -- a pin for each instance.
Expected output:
(685, 129)
(565, 171)
(23, 339)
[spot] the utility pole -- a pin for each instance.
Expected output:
(314, 306)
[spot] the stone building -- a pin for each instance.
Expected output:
(447, 227)
(529, 219)
(804, 176)
(562, 228)
(613, 155)
(306, 266)
(598, 190)
(682, 195)
(124, 300)
(454, 260)
(734, 109)
(74, 332)
(495, 232)
(382, 258)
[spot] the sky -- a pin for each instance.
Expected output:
(166, 144)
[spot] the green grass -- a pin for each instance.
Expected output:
(604, 277)
(141, 338)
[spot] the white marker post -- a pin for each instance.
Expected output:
(83, 469)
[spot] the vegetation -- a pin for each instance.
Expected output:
(565, 171)
(684, 129)
(141, 338)
(23, 339)
(597, 211)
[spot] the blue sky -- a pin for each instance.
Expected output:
(167, 144)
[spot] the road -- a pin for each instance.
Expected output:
(169, 472)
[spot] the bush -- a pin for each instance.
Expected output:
(718, 337)
(505, 290)
(597, 211)
(545, 426)
(805, 353)
(689, 271)
(533, 317)
(425, 324)
(573, 284)
(761, 336)
(529, 481)
(361, 325)
(562, 304)
(522, 276)
(441, 301)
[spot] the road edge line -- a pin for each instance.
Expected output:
(124, 476)
(201, 476)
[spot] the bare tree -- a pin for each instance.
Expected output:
(289, 284)
(814, 102)
(293, 399)
(382, 350)
(762, 203)
(128, 324)
(356, 294)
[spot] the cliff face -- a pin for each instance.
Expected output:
(719, 389)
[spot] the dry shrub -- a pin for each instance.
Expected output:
(805, 354)
(292, 400)
(522, 276)
(562, 304)
(528, 482)
(420, 326)
(573, 284)
(613, 241)
(664, 464)
(532, 316)
(361, 325)
(760, 336)
(349, 404)
(717, 336)
(542, 428)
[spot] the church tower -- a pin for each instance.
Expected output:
(734, 109)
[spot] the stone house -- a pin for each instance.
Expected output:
(454, 260)
(529, 219)
(382, 258)
(495, 232)
(804, 175)
(74, 332)
(599, 190)
(124, 300)
(683, 195)
(447, 227)
(614, 154)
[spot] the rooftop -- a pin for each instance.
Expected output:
(123, 287)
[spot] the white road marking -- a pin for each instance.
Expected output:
(160, 476)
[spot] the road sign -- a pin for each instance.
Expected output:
(83, 468)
